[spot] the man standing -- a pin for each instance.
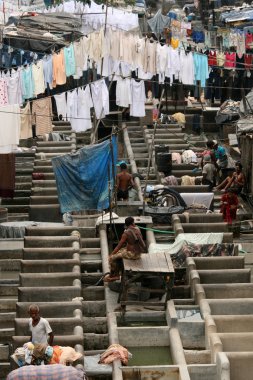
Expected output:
(124, 182)
(39, 327)
(208, 172)
(134, 246)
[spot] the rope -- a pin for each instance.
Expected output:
(154, 230)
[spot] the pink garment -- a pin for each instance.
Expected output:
(176, 158)
(114, 352)
(230, 60)
(3, 92)
(248, 40)
(69, 355)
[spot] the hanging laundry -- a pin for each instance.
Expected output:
(26, 122)
(230, 60)
(38, 78)
(123, 92)
(48, 70)
(7, 182)
(61, 105)
(201, 72)
(100, 97)
(14, 87)
(59, 74)
(137, 107)
(70, 63)
(80, 58)
(3, 92)
(84, 104)
(27, 83)
(9, 128)
(187, 72)
(72, 111)
(42, 115)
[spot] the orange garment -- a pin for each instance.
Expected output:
(56, 355)
(174, 42)
(59, 73)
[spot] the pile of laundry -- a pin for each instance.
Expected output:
(42, 354)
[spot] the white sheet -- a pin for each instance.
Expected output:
(200, 198)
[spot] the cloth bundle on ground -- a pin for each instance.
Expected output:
(46, 372)
(181, 239)
(199, 250)
(187, 180)
(114, 352)
(82, 178)
(171, 180)
(39, 354)
(179, 117)
(189, 157)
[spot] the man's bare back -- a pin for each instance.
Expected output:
(124, 181)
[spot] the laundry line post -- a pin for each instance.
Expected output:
(151, 154)
(93, 134)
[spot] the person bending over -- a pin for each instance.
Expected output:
(235, 182)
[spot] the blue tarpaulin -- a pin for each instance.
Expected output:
(82, 178)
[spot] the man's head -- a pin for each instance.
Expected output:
(207, 159)
(210, 144)
(123, 166)
(129, 221)
(238, 167)
(34, 312)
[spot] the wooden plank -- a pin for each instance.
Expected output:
(169, 261)
(163, 262)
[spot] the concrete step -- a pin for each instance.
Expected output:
(22, 193)
(48, 156)
(44, 183)
(43, 199)
(50, 241)
(95, 341)
(56, 144)
(44, 191)
(18, 217)
(62, 230)
(42, 163)
(16, 201)
(43, 169)
(91, 266)
(18, 208)
(90, 243)
(45, 213)
(54, 150)
(96, 325)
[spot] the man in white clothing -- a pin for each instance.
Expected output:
(39, 327)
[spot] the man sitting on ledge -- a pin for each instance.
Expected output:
(135, 245)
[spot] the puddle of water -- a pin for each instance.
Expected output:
(124, 323)
(150, 356)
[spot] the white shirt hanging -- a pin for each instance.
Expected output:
(123, 92)
(137, 108)
(100, 96)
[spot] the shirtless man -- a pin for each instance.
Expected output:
(130, 247)
(124, 181)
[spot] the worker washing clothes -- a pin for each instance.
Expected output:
(134, 245)
(236, 181)
(39, 327)
(124, 182)
(221, 157)
(229, 205)
(208, 172)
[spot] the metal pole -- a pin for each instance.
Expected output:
(151, 155)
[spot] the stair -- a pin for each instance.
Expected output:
(44, 204)
(19, 206)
